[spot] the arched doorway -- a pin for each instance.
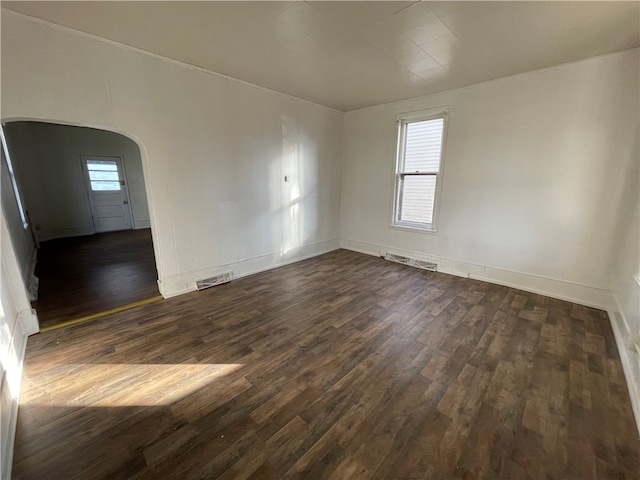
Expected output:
(84, 195)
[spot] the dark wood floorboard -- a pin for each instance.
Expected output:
(81, 276)
(344, 366)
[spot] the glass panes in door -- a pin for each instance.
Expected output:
(104, 175)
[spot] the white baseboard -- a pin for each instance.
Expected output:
(44, 235)
(629, 355)
(29, 320)
(142, 224)
(177, 284)
(560, 289)
(170, 287)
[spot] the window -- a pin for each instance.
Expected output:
(418, 166)
(14, 184)
(103, 175)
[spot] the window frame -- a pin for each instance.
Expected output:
(401, 121)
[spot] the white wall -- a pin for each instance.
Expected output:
(22, 239)
(625, 286)
(214, 150)
(46, 160)
(532, 178)
(17, 321)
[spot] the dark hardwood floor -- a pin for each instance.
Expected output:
(80, 276)
(343, 366)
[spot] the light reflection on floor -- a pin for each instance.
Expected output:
(122, 385)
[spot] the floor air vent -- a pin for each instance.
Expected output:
(412, 262)
(213, 281)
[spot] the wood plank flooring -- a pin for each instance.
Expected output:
(81, 276)
(344, 366)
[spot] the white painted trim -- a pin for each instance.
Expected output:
(629, 355)
(407, 228)
(139, 225)
(169, 289)
(177, 284)
(561, 289)
(79, 231)
(9, 443)
(26, 315)
(179, 63)
(401, 120)
(29, 321)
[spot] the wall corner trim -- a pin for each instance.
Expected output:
(629, 356)
(29, 321)
(19, 340)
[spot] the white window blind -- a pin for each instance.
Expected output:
(418, 166)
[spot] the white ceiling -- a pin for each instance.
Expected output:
(348, 55)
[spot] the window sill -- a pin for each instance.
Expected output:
(414, 229)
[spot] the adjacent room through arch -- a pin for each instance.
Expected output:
(88, 245)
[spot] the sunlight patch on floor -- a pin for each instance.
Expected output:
(122, 385)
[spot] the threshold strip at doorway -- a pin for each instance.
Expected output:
(101, 314)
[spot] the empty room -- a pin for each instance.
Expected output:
(376, 240)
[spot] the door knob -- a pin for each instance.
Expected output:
(126, 202)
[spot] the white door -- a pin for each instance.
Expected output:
(108, 195)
